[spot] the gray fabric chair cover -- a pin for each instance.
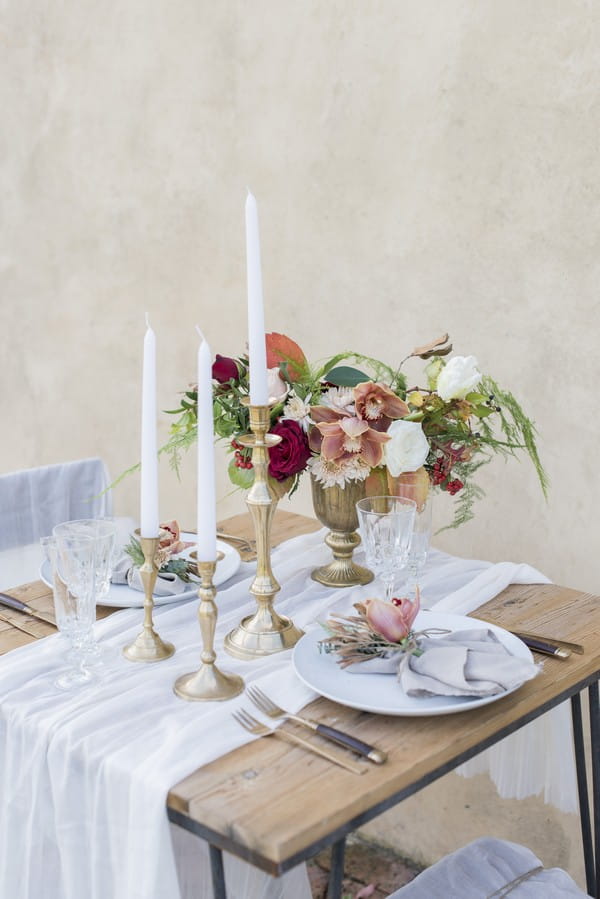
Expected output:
(34, 500)
(490, 869)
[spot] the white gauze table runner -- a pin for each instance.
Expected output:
(84, 777)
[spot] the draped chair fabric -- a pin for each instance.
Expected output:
(490, 868)
(32, 501)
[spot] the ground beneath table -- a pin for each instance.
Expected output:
(371, 871)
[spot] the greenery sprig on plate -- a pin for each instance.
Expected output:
(180, 567)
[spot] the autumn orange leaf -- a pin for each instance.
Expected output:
(284, 350)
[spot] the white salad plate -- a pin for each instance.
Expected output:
(381, 693)
(124, 597)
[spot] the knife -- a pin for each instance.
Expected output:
(539, 645)
(19, 627)
(11, 602)
(574, 647)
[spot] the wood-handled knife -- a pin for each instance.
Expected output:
(553, 641)
(10, 602)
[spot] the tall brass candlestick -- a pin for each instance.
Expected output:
(148, 646)
(208, 682)
(265, 632)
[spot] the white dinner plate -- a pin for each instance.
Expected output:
(381, 693)
(123, 597)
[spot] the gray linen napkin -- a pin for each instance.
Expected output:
(167, 583)
(464, 663)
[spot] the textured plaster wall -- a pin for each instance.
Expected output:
(419, 166)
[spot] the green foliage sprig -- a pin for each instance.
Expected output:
(173, 566)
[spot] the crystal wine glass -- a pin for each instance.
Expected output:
(419, 544)
(102, 531)
(71, 557)
(386, 525)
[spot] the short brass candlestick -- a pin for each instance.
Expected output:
(208, 682)
(265, 632)
(148, 646)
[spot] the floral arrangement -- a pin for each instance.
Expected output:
(378, 629)
(170, 545)
(355, 418)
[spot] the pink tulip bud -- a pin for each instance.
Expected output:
(409, 609)
(387, 620)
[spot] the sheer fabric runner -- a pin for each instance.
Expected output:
(84, 778)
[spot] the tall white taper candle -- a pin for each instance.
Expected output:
(149, 523)
(259, 395)
(207, 522)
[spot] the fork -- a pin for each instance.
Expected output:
(19, 627)
(268, 707)
(254, 726)
(250, 545)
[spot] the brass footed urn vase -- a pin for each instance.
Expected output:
(335, 507)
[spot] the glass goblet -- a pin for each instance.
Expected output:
(386, 525)
(419, 544)
(72, 561)
(103, 533)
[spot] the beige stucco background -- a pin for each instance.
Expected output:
(420, 166)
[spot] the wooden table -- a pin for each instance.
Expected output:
(275, 806)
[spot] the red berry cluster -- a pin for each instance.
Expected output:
(440, 476)
(439, 472)
(241, 456)
(454, 486)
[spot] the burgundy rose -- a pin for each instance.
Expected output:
(225, 369)
(291, 455)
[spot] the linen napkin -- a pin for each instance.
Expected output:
(464, 663)
(167, 583)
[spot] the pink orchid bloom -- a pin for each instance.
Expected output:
(377, 404)
(169, 541)
(349, 435)
(393, 621)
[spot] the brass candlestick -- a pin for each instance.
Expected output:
(208, 682)
(148, 646)
(265, 632)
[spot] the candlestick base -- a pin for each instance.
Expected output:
(208, 683)
(261, 635)
(148, 646)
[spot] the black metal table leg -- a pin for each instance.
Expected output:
(336, 874)
(582, 789)
(218, 874)
(595, 735)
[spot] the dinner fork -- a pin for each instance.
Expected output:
(254, 726)
(268, 707)
(250, 545)
(19, 627)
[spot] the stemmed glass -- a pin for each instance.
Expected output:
(71, 558)
(386, 525)
(419, 544)
(102, 532)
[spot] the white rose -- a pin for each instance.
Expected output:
(276, 386)
(408, 448)
(459, 377)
